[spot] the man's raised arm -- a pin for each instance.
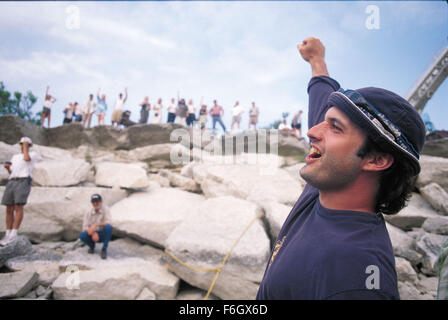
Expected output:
(320, 85)
(313, 51)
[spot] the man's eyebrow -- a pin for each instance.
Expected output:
(338, 121)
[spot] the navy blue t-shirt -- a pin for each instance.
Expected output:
(329, 254)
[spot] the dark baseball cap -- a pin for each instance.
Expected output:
(386, 118)
(95, 198)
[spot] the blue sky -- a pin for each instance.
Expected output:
(227, 51)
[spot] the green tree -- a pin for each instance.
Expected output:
(18, 104)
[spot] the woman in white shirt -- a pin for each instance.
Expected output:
(157, 111)
(46, 111)
(237, 111)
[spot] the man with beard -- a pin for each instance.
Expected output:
(364, 154)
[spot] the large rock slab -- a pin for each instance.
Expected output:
(8, 150)
(123, 175)
(150, 217)
(67, 136)
(49, 153)
(436, 148)
(434, 169)
(429, 245)
(251, 182)
(44, 262)
(17, 284)
(54, 214)
(289, 145)
(120, 253)
(162, 151)
(60, 173)
(123, 254)
(276, 214)
(405, 272)
(150, 134)
(205, 238)
(21, 246)
(107, 137)
(436, 196)
(428, 286)
(260, 141)
(438, 225)
(179, 181)
(294, 171)
(403, 245)
(116, 283)
(12, 128)
(409, 291)
(413, 215)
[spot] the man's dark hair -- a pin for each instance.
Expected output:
(396, 182)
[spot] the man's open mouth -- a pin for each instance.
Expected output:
(314, 153)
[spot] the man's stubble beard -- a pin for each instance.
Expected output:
(328, 174)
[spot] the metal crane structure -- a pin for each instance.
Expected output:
(428, 84)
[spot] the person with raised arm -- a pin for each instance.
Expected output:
(101, 107)
(118, 110)
(46, 111)
(365, 146)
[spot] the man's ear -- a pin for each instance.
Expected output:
(377, 161)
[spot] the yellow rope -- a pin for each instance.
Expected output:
(219, 269)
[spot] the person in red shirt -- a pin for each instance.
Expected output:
(216, 112)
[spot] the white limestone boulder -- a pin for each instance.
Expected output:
(430, 245)
(402, 244)
(150, 217)
(162, 151)
(116, 283)
(294, 171)
(123, 175)
(413, 215)
(17, 284)
(276, 214)
(251, 182)
(44, 262)
(60, 173)
(120, 253)
(436, 196)
(19, 247)
(438, 225)
(434, 169)
(179, 181)
(405, 272)
(205, 238)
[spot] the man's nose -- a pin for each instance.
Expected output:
(315, 133)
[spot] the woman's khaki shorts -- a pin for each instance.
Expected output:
(116, 116)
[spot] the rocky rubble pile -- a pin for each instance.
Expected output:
(193, 209)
